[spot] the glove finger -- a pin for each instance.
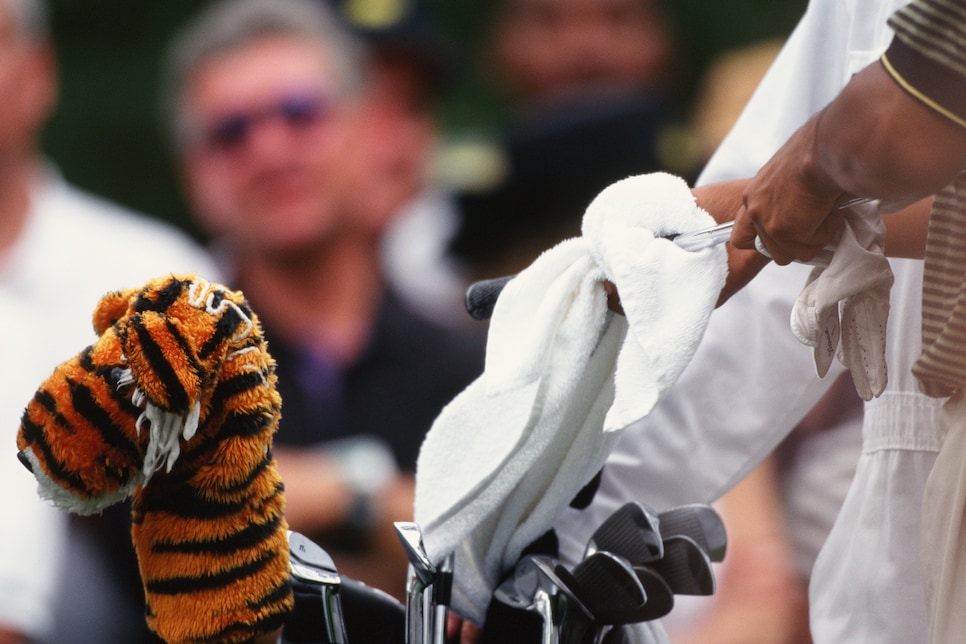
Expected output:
(807, 310)
(864, 318)
(827, 342)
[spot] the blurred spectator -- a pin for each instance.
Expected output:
(725, 87)
(544, 50)
(552, 166)
(579, 119)
(61, 249)
(286, 140)
(414, 64)
(588, 86)
(410, 64)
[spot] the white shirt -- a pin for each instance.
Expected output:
(74, 249)
(751, 382)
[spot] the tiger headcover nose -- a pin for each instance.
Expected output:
(22, 457)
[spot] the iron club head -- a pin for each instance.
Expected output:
(608, 587)
(411, 538)
(660, 598)
(685, 567)
(537, 587)
(310, 564)
(699, 522)
(420, 628)
(632, 532)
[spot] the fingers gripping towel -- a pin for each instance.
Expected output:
(848, 300)
(563, 375)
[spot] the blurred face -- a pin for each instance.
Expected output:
(396, 143)
(548, 47)
(27, 87)
(269, 132)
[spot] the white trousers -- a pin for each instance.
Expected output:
(944, 529)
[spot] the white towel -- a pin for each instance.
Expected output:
(562, 376)
(848, 298)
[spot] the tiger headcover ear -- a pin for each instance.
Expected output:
(176, 403)
(110, 309)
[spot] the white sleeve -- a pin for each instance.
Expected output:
(747, 386)
(750, 381)
(808, 72)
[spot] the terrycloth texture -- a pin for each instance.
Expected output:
(849, 298)
(563, 375)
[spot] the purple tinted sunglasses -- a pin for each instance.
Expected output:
(232, 131)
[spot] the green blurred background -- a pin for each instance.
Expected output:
(106, 134)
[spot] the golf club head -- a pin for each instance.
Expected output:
(633, 532)
(526, 591)
(480, 298)
(411, 538)
(306, 552)
(536, 587)
(660, 597)
(420, 628)
(608, 586)
(685, 567)
(700, 522)
(616, 635)
(659, 602)
(310, 564)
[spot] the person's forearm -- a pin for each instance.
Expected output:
(721, 200)
(878, 141)
(906, 230)
(310, 476)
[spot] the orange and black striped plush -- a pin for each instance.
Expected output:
(175, 404)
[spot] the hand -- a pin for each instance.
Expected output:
(874, 140)
(613, 297)
(10, 636)
(462, 630)
(269, 638)
(722, 200)
(743, 265)
(790, 205)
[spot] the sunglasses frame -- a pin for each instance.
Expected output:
(232, 131)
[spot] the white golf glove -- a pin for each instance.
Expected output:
(847, 299)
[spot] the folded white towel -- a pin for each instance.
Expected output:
(562, 375)
(848, 298)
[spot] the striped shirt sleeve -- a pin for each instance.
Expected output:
(927, 57)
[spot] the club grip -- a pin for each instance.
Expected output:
(481, 296)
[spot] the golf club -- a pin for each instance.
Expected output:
(685, 567)
(422, 575)
(309, 563)
(632, 532)
(699, 522)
